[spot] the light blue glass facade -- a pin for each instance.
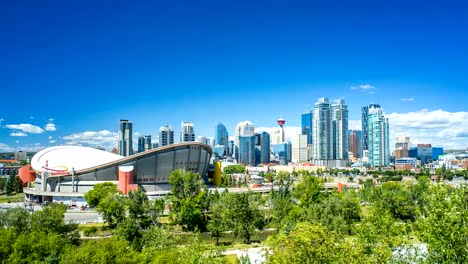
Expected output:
(219, 151)
(306, 123)
(247, 150)
(280, 151)
(222, 137)
(364, 122)
(378, 138)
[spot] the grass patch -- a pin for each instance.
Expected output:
(19, 197)
(231, 259)
(95, 229)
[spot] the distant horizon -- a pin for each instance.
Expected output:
(71, 70)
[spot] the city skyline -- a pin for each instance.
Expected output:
(80, 76)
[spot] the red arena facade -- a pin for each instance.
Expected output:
(66, 173)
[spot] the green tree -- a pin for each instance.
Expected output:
(50, 220)
(306, 243)
(308, 191)
(37, 247)
(7, 238)
(216, 224)
(3, 182)
(243, 214)
(16, 219)
(443, 224)
(17, 185)
(187, 198)
(232, 169)
(113, 209)
(99, 192)
(395, 198)
(109, 250)
(9, 186)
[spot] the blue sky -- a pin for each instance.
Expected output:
(83, 65)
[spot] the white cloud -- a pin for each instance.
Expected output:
(17, 141)
(5, 148)
(407, 99)
(50, 137)
(18, 134)
(363, 87)
(31, 117)
(102, 138)
(51, 120)
(50, 127)
(27, 128)
(52, 141)
(355, 124)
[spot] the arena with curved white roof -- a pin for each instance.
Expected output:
(66, 173)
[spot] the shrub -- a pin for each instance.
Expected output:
(89, 230)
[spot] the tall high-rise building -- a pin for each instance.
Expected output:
(245, 128)
(322, 132)
(187, 132)
(247, 150)
(144, 143)
(276, 136)
(378, 137)
(166, 136)
(264, 148)
(339, 112)
(222, 137)
(355, 137)
(364, 117)
(125, 138)
(306, 123)
(299, 148)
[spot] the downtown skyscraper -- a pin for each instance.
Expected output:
(329, 132)
(339, 112)
(222, 137)
(364, 117)
(144, 143)
(306, 126)
(125, 146)
(378, 139)
(187, 132)
(166, 136)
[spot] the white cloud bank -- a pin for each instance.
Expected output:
(50, 127)
(364, 88)
(103, 138)
(18, 134)
(5, 148)
(26, 128)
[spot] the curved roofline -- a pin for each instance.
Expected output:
(138, 155)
